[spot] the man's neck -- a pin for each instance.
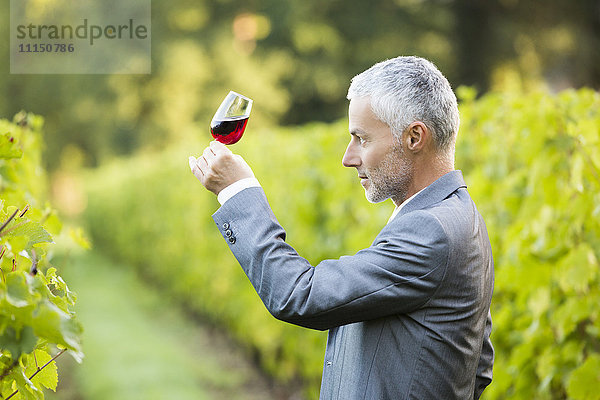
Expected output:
(425, 176)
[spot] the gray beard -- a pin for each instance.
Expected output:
(391, 179)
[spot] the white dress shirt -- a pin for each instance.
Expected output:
(405, 202)
(235, 188)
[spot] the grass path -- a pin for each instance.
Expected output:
(139, 346)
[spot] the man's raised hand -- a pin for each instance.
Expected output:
(218, 167)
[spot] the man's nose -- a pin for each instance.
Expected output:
(351, 156)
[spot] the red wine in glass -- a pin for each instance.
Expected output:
(229, 130)
(229, 122)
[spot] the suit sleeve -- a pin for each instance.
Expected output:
(399, 273)
(486, 361)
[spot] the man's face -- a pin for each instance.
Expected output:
(380, 160)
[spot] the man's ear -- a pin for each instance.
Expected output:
(417, 136)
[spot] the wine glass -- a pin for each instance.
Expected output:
(229, 122)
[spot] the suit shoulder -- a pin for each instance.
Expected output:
(450, 214)
(418, 222)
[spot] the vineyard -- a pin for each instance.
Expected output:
(36, 320)
(115, 283)
(531, 163)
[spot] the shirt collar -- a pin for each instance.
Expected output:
(434, 193)
(405, 202)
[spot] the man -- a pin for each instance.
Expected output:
(408, 317)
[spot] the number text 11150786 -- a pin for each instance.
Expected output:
(46, 48)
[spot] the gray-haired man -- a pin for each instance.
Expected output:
(408, 317)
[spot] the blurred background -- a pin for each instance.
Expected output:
(116, 146)
(295, 60)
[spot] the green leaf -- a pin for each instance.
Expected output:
(17, 291)
(539, 302)
(569, 314)
(584, 381)
(59, 293)
(18, 243)
(27, 389)
(577, 172)
(9, 147)
(21, 343)
(34, 231)
(57, 326)
(578, 269)
(48, 377)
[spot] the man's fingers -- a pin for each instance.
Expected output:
(208, 154)
(202, 164)
(194, 164)
(196, 170)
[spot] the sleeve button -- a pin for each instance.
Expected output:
(232, 239)
(225, 225)
(228, 233)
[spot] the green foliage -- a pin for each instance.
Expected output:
(35, 303)
(583, 383)
(532, 164)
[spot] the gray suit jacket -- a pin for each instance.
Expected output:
(408, 317)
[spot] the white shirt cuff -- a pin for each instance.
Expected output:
(235, 188)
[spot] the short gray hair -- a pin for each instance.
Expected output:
(408, 89)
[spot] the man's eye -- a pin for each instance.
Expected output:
(359, 139)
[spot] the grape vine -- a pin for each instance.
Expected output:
(36, 318)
